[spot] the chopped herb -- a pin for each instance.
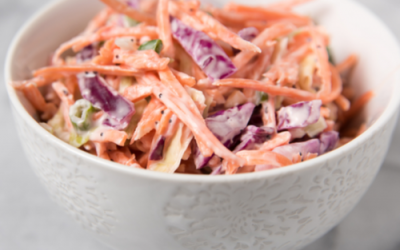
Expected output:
(261, 97)
(330, 55)
(80, 114)
(155, 45)
(130, 22)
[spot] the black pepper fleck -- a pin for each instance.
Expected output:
(162, 112)
(170, 120)
(117, 56)
(101, 134)
(160, 95)
(65, 92)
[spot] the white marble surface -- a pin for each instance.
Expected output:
(30, 220)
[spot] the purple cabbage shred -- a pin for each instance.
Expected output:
(205, 52)
(118, 109)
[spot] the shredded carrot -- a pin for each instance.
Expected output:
(164, 28)
(21, 85)
(261, 40)
(268, 113)
(253, 157)
(225, 17)
(310, 156)
(187, 153)
(170, 81)
(323, 65)
(258, 12)
(56, 59)
(67, 101)
(144, 143)
(358, 104)
(112, 81)
(101, 150)
(137, 92)
(145, 60)
(47, 75)
(280, 139)
(262, 62)
(176, 11)
(329, 125)
(151, 115)
(120, 7)
(106, 53)
(190, 6)
(121, 158)
(246, 169)
(222, 33)
(198, 73)
(297, 158)
(109, 135)
(336, 87)
(270, 89)
(342, 102)
(110, 32)
(34, 96)
(287, 4)
(347, 64)
(144, 159)
(161, 130)
(348, 92)
(71, 83)
(231, 18)
(286, 71)
(183, 78)
(325, 112)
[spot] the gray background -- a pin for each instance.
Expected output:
(30, 220)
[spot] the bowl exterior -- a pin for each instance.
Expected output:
(126, 211)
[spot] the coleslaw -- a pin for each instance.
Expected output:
(176, 87)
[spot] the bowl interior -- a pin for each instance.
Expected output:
(353, 29)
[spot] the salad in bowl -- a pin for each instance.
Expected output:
(176, 87)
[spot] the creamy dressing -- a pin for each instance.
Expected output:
(126, 43)
(299, 115)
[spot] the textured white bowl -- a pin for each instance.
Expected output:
(279, 209)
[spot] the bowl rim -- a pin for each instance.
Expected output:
(390, 110)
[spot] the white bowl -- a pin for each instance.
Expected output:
(285, 208)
